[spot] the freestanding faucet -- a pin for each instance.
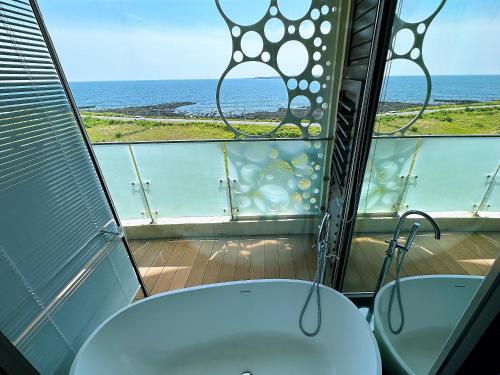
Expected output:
(394, 244)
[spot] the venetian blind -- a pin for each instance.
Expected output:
(62, 269)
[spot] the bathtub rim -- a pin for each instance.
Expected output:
(378, 322)
(87, 341)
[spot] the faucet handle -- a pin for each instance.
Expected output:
(411, 237)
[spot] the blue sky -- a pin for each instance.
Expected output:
(183, 39)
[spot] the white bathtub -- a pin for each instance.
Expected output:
(432, 306)
(231, 328)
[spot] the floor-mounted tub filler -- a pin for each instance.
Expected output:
(248, 327)
(432, 307)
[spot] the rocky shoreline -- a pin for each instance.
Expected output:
(171, 110)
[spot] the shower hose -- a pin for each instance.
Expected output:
(321, 249)
(397, 291)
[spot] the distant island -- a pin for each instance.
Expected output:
(272, 77)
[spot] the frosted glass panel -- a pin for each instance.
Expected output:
(184, 179)
(383, 183)
(451, 174)
(118, 169)
(492, 201)
(432, 174)
(276, 177)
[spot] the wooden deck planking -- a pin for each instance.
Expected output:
(173, 264)
(154, 272)
(170, 268)
(455, 253)
(285, 261)
(184, 269)
(214, 263)
(271, 265)
(200, 264)
(257, 259)
(299, 257)
(242, 269)
(231, 249)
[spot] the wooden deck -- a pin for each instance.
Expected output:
(455, 253)
(174, 264)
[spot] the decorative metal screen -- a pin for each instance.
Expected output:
(413, 53)
(306, 32)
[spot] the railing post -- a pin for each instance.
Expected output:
(141, 185)
(406, 178)
(228, 181)
(488, 191)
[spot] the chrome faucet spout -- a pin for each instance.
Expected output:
(435, 226)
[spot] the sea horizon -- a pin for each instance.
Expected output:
(260, 94)
(263, 77)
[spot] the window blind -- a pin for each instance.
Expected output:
(62, 269)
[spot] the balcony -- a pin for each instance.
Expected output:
(199, 212)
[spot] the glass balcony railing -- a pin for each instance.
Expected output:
(435, 174)
(219, 180)
(229, 180)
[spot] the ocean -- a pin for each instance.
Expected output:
(240, 96)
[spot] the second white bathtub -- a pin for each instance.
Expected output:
(432, 307)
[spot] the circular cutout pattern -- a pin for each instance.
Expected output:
(417, 10)
(324, 9)
(244, 12)
(292, 84)
(236, 31)
(251, 44)
(230, 105)
(316, 56)
(315, 14)
(415, 53)
(273, 11)
(421, 28)
(403, 41)
(292, 58)
(300, 106)
(317, 71)
(317, 41)
(317, 114)
(303, 84)
(314, 87)
(325, 27)
(306, 29)
(314, 129)
(274, 30)
(265, 56)
(238, 56)
(293, 9)
(291, 29)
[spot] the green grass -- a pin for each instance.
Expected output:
(458, 122)
(446, 106)
(463, 122)
(104, 130)
(121, 114)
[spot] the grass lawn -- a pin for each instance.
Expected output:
(467, 121)
(457, 122)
